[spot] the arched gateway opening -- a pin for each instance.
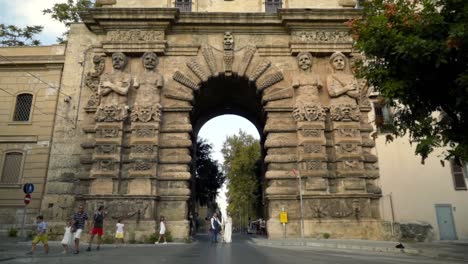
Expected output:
(236, 96)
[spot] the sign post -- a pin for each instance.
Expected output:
(298, 175)
(28, 188)
(284, 221)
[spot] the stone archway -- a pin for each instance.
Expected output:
(131, 149)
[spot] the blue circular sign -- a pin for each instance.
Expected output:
(28, 188)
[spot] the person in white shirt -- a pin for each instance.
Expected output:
(162, 230)
(215, 226)
(119, 232)
(228, 229)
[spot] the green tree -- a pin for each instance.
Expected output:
(208, 176)
(241, 154)
(11, 35)
(417, 59)
(68, 13)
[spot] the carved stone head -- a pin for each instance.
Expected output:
(150, 60)
(119, 60)
(338, 61)
(228, 41)
(304, 60)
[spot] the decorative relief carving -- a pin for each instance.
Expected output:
(106, 165)
(309, 113)
(343, 87)
(107, 149)
(311, 165)
(312, 148)
(207, 52)
(145, 132)
(352, 164)
(111, 113)
(347, 147)
(197, 70)
(146, 113)
(135, 36)
(348, 132)
(92, 80)
(113, 89)
(228, 57)
(184, 80)
(306, 84)
(107, 132)
(345, 112)
(322, 36)
(246, 59)
(142, 166)
(261, 68)
(270, 80)
(310, 132)
(142, 148)
(148, 83)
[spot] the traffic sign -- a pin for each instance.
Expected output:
(28, 188)
(283, 217)
(27, 199)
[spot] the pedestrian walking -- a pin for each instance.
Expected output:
(67, 236)
(41, 235)
(119, 232)
(162, 230)
(228, 229)
(98, 224)
(215, 225)
(79, 221)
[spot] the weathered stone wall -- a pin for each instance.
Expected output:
(31, 138)
(130, 145)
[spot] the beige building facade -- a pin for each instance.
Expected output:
(29, 84)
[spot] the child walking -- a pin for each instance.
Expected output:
(119, 232)
(41, 235)
(67, 236)
(162, 230)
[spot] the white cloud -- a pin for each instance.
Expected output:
(29, 12)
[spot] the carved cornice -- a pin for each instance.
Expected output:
(102, 20)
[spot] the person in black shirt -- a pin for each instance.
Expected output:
(98, 220)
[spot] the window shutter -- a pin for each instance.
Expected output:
(12, 168)
(23, 107)
(271, 6)
(458, 177)
(184, 5)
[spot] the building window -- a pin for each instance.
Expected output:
(383, 117)
(184, 5)
(458, 174)
(271, 6)
(12, 168)
(23, 107)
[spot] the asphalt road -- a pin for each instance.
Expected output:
(241, 251)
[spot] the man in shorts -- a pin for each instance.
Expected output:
(79, 220)
(41, 235)
(98, 220)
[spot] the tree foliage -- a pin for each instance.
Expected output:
(11, 35)
(68, 13)
(208, 175)
(241, 154)
(417, 59)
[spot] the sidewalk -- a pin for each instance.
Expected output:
(451, 250)
(11, 248)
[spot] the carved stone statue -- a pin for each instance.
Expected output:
(113, 89)
(148, 83)
(342, 85)
(306, 84)
(228, 41)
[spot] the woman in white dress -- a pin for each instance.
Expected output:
(228, 229)
(67, 236)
